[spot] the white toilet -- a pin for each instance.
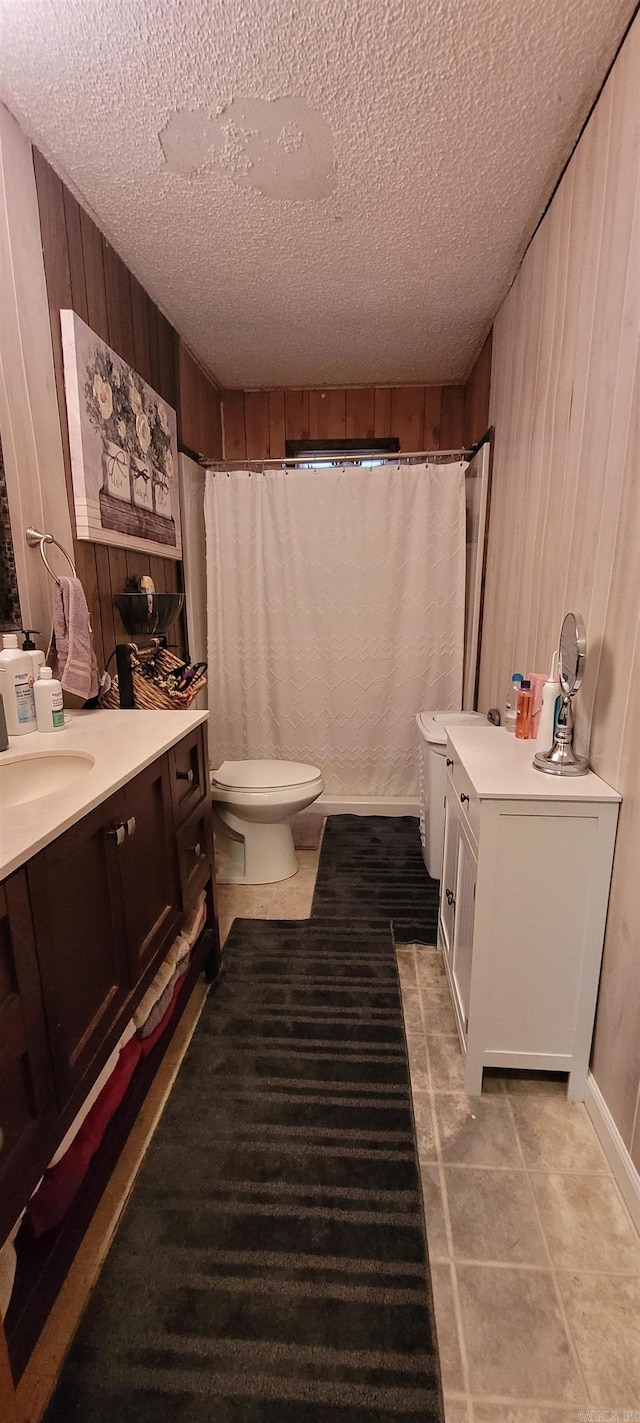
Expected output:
(252, 804)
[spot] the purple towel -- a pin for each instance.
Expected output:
(72, 658)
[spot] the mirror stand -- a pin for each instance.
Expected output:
(562, 760)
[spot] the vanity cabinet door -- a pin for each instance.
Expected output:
(75, 895)
(465, 908)
(148, 867)
(448, 881)
(27, 1096)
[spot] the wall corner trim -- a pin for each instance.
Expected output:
(624, 1171)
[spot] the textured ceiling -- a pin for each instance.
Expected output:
(315, 192)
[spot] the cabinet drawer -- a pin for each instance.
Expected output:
(189, 774)
(464, 793)
(195, 852)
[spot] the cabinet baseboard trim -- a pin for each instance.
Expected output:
(367, 805)
(626, 1174)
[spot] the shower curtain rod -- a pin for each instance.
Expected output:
(328, 458)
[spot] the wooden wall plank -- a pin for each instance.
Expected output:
(167, 360)
(140, 323)
(476, 397)
(452, 417)
(93, 260)
(235, 438)
(154, 354)
(296, 414)
(431, 423)
(407, 416)
(119, 317)
(256, 423)
(276, 424)
(382, 409)
(360, 415)
(75, 253)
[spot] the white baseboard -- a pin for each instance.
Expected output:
(367, 805)
(626, 1174)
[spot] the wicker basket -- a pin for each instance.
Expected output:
(148, 695)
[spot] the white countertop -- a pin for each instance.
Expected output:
(499, 767)
(121, 742)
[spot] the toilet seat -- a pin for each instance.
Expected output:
(263, 776)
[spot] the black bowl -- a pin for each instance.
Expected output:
(148, 613)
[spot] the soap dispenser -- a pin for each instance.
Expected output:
(37, 657)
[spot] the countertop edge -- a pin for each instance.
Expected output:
(72, 817)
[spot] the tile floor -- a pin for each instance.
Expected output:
(534, 1259)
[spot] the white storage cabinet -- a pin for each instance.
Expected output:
(523, 905)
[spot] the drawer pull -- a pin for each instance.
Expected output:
(464, 798)
(185, 776)
(118, 834)
(451, 899)
(130, 826)
(449, 761)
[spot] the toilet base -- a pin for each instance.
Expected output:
(253, 853)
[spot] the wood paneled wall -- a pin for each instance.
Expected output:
(84, 272)
(476, 397)
(257, 422)
(565, 507)
(199, 409)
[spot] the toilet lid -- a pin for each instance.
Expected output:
(264, 775)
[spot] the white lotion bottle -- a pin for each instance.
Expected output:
(551, 693)
(49, 704)
(16, 685)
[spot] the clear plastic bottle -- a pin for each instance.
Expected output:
(511, 703)
(49, 704)
(524, 719)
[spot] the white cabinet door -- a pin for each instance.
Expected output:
(464, 914)
(448, 881)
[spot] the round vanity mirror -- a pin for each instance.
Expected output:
(561, 760)
(573, 651)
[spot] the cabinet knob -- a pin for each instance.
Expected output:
(130, 825)
(196, 849)
(449, 761)
(118, 834)
(464, 798)
(185, 776)
(451, 899)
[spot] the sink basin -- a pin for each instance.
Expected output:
(37, 774)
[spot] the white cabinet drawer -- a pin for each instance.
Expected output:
(461, 788)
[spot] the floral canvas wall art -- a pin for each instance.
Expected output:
(124, 453)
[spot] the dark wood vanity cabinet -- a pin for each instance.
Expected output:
(27, 1097)
(108, 897)
(149, 884)
(77, 911)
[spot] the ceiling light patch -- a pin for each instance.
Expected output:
(188, 138)
(288, 144)
(282, 148)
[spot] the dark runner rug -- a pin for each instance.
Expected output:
(270, 1266)
(371, 867)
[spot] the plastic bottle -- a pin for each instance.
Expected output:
(16, 685)
(49, 705)
(524, 711)
(37, 657)
(551, 693)
(511, 703)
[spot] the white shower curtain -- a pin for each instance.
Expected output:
(335, 602)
